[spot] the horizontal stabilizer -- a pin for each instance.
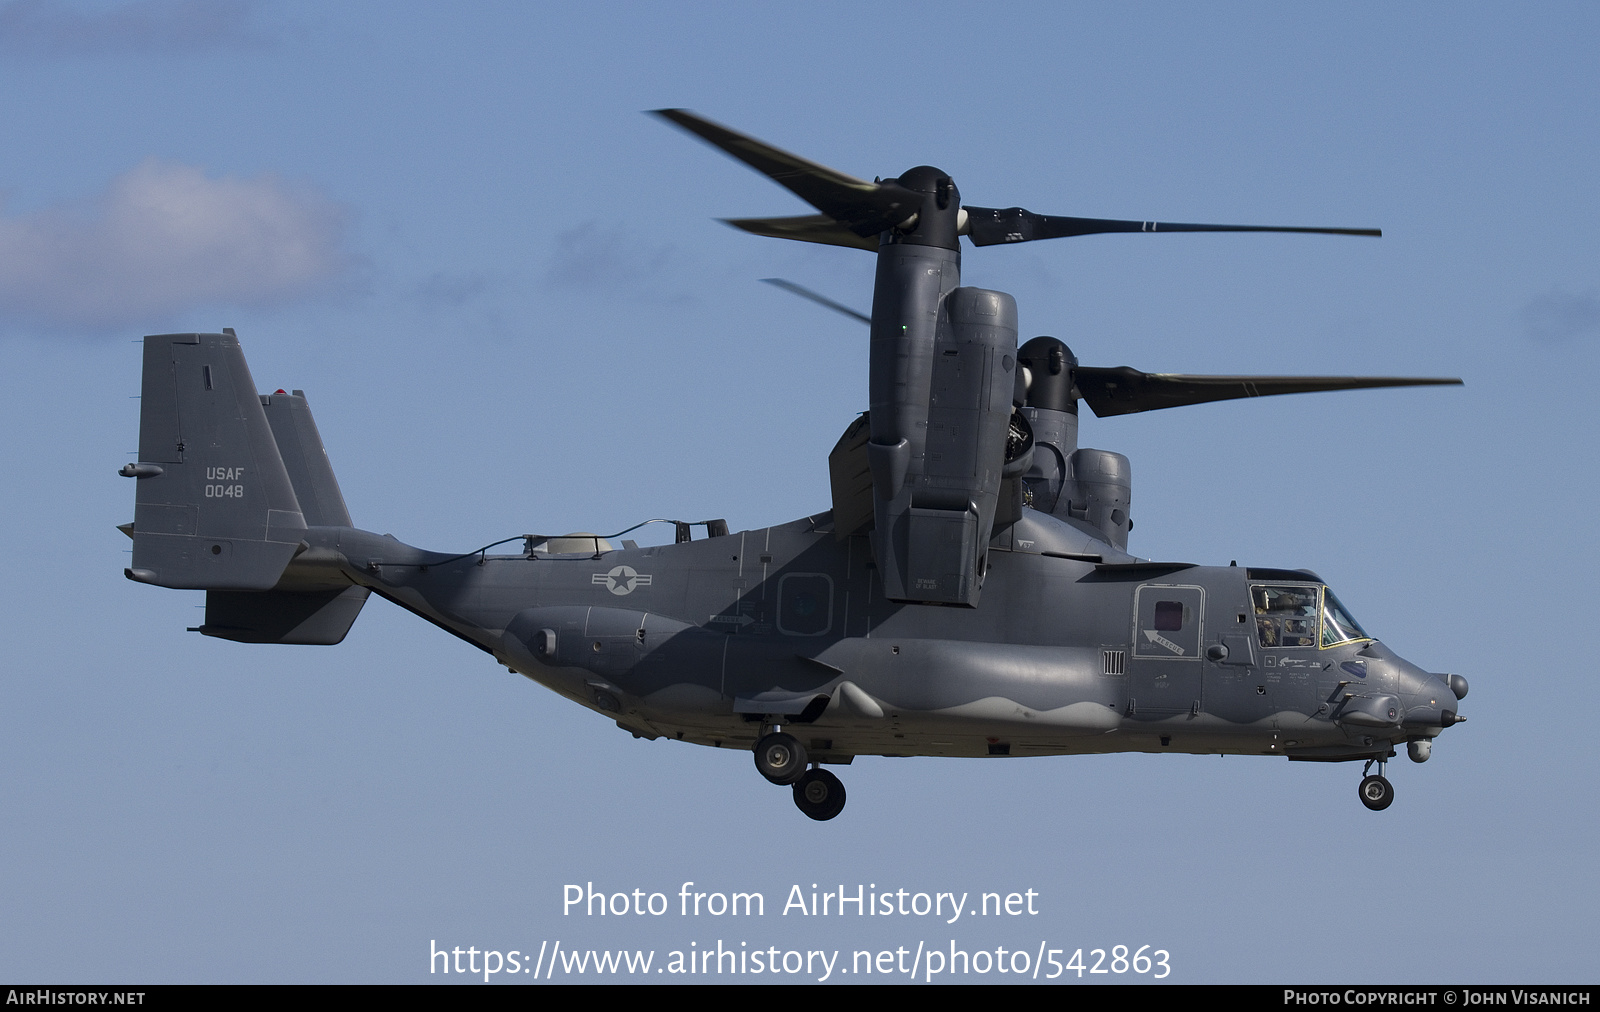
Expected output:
(318, 617)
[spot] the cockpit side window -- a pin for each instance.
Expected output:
(1302, 616)
(1286, 616)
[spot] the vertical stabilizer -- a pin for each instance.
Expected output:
(214, 508)
(300, 446)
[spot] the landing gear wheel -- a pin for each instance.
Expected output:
(780, 758)
(819, 794)
(1376, 792)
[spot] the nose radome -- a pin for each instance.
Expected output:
(1432, 698)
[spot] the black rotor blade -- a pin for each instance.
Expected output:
(991, 226)
(1123, 390)
(821, 300)
(863, 208)
(807, 228)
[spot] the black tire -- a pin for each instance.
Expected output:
(819, 794)
(1376, 793)
(780, 758)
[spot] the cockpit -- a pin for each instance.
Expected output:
(1302, 615)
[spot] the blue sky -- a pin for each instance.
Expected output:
(505, 295)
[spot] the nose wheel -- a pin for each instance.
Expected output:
(1376, 792)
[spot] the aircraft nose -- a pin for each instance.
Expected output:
(1435, 699)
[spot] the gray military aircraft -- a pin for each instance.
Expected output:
(970, 592)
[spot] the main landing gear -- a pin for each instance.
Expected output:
(1377, 793)
(819, 794)
(782, 759)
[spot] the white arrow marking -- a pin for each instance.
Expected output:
(1155, 637)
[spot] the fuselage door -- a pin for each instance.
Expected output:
(1164, 671)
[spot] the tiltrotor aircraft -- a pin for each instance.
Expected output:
(970, 592)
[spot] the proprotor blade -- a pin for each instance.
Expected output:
(862, 208)
(807, 228)
(821, 300)
(1124, 390)
(991, 226)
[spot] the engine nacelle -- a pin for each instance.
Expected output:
(936, 485)
(1099, 490)
(1094, 486)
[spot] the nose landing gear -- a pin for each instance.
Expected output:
(1376, 792)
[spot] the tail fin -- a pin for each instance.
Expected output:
(229, 483)
(214, 507)
(300, 446)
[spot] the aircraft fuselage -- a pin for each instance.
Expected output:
(1075, 648)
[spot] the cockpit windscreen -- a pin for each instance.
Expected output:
(1304, 615)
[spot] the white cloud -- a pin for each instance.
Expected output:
(54, 28)
(164, 238)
